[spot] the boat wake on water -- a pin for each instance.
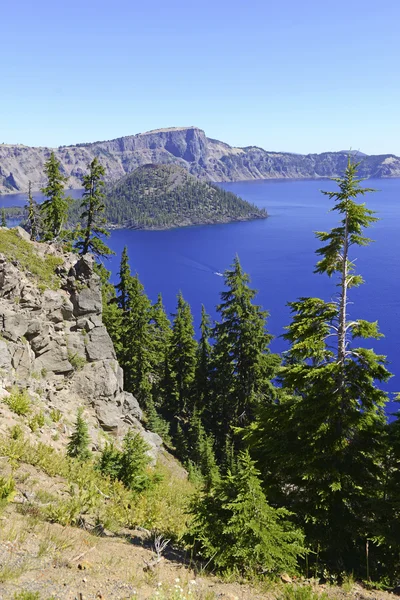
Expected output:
(194, 264)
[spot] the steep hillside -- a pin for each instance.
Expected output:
(162, 196)
(53, 341)
(185, 146)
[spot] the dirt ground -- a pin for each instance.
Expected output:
(67, 563)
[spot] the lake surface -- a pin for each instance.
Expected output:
(279, 255)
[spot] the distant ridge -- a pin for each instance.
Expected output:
(188, 147)
(355, 153)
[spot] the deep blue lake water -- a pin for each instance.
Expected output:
(279, 255)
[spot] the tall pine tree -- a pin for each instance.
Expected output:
(54, 209)
(93, 213)
(33, 214)
(322, 446)
(124, 278)
(243, 364)
(137, 350)
(181, 364)
(202, 385)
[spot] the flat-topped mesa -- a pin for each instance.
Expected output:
(53, 341)
(186, 145)
(189, 147)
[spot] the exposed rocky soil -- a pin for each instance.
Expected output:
(185, 146)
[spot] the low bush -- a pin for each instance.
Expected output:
(19, 402)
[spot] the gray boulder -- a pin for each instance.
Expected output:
(87, 301)
(109, 417)
(99, 380)
(13, 325)
(54, 359)
(5, 356)
(129, 405)
(99, 345)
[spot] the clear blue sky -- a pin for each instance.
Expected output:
(296, 75)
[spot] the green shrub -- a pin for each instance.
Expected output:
(110, 461)
(296, 592)
(162, 505)
(7, 489)
(128, 465)
(235, 529)
(25, 595)
(19, 402)
(42, 268)
(77, 361)
(134, 462)
(78, 446)
(16, 432)
(37, 421)
(55, 415)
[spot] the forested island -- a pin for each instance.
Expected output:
(162, 197)
(165, 196)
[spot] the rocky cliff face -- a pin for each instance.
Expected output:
(188, 147)
(54, 343)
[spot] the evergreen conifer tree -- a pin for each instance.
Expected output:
(78, 445)
(93, 213)
(33, 214)
(124, 278)
(54, 209)
(202, 386)
(235, 529)
(161, 334)
(134, 462)
(3, 218)
(322, 446)
(137, 351)
(243, 365)
(181, 362)
(112, 314)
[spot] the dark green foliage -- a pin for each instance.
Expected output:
(322, 445)
(202, 383)
(243, 365)
(136, 342)
(181, 363)
(159, 196)
(3, 218)
(92, 216)
(386, 553)
(161, 335)
(54, 210)
(235, 529)
(128, 465)
(124, 279)
(110, 461)
(33, 215)
(78, 445)
(134, 462)
(156, 423)
(315, 422)
(112, 314)
(200, 450)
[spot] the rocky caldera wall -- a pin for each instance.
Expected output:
(185, 146)
(54, 343)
